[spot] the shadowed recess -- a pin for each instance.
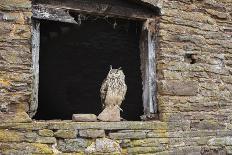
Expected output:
(75, 59)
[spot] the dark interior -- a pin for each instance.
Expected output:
(75, 59)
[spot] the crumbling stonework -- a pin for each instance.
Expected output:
(194, 99)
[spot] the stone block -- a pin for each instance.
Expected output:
(72, 145)
(11, 136)
(217, 14)
(25, 148)
(220, 141)
(149, 142)
(110, 114)
(84, 118)
(46, 133)
(92, 133)
(104, 145)
(208, 125)
(46, 140)
(15, 4)
(132, 125)
(66, 134)
(107, 145)
(145, 150)
(214, 151)
(178, 88)
(128, 135)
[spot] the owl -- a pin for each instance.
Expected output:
(113, 89)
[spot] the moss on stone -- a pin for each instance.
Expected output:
(66, 134)
(15, 4)
(10, 136)
(42, 148)
(18, 117)
(46, 133)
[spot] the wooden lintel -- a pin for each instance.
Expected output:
(55, 14)
(116, 8)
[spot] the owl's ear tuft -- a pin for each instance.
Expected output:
(110, 67)
(119, 68)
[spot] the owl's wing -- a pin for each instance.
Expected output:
(103, 92)
(124, 90)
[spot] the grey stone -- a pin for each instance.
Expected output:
(72, 145)
(131, 135)
(220, 141)
(107, 145)
(110, 114)
(84, 118)
(92, 133)
(180, 88)
(104, 145)
(46, 140)
(66, 134)
(46, 133)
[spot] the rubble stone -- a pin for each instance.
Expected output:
(84, 118)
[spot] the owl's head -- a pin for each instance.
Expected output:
(116, 73)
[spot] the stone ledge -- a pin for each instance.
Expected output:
(132, 125)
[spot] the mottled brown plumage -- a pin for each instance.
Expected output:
(113, 89)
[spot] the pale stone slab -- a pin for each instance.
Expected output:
(92, 133)
(110, 114)
(104, 145)
(179, 88)
(84, 118)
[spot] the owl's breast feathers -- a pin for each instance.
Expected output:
(113, 92)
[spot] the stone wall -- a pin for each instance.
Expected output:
(194, 89)
(15, 59)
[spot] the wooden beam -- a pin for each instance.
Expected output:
(115, 8)
(148, 68)
(35, 68)
(55, 14)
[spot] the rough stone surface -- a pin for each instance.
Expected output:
(66, 134)
(194, 67)
(107, 145)
(180, 88)
(72, 145)
(84, 118)
(130, 135)
(110, 114)
(92, 133)
(46, 133)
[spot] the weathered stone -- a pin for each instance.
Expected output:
(46, 140)
(207, 125)
(220, 141)
(181, 88)
(25, 148)
(66, 134)
(20, 117)
(131, 135)
(15, 4)
(149, 142)
(107, 145)
(92, 133)
(84, 118)
(72, 145)
(132, 125)
(145, 150)
(30, 137)
(221, 15)
(46, 133)
(10, 136)
(194, 117)
(110, 114)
